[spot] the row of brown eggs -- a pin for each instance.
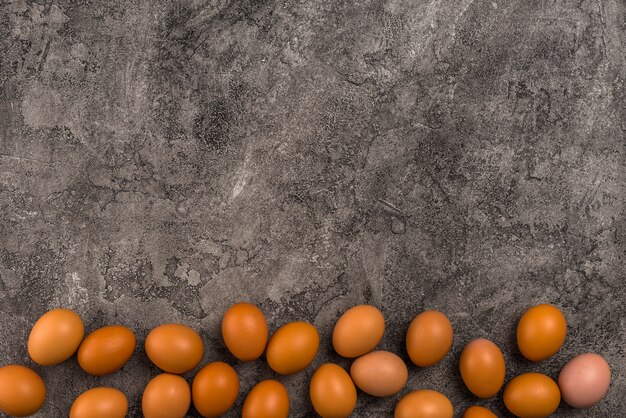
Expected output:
(177, 349)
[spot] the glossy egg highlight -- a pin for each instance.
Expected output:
(100, 402)
(358, 331)
(332, 391)
(244, 329)
(424, 403)
(22, 391)
(541, 332)
(429, 338)
(166, 396)
(292, 347)
(214, 389)
(584, 380)
(532, 395)
(55, 337)
(379, 373)
(106, 350)
(478, 412)
(174, 348)
(482, 368)
(267, 399)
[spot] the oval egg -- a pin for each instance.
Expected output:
(429, 338)
(541, 332)
(292, 347)
(584, 380)
(358, 331)
(55, 337)
(22, 391)
(332, 391)
(424, 403)
(267, 399)
(101, 402)
(532, 395)
(482, 368)
(174, 348)
(244, 329)
(478, 412)
(106, 350)
(379, 373)
(166, 396)
(214, 389)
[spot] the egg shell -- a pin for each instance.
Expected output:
(478, 412)
(532, 395)
(358, 331)
(174, 348)
(332, 391)
(482, 368)
(424, 403)
(166, 396)
(541, 332)
(429, 338)
(244, 330)
(379, 373)
(22, 391)
(100, 402)
(584, 380)
(292, 347)
(214, 389)
(106, 350)
(55, 337)
(267, 399)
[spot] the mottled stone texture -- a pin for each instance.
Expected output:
(161, 160)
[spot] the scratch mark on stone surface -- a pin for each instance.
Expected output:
(601, 13)
(44, 56)
(242, 178)
(459, 17)
(35, 160)
(392, 207)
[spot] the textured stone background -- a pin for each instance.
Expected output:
(160, 160)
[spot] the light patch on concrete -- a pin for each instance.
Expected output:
(43, 107)
(185, 273)
(242, 178)
(75, 296)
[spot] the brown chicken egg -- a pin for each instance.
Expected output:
(55, 337)
(100, 402)
(292, 347)
(541, 332)
(267, 399)
(424, 403)
(379, 373)
(214, 389)
(106, 350)
(174, 348)
(358, 331)
(482, 368)
(478, 412)
(22, 391)
(429, 338)
(532, 395)
(244, 329)
(333, 394)
(166, 396)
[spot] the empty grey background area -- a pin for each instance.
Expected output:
(161, 160)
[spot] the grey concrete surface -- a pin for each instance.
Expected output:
(161, 160)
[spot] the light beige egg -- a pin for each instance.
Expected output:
(379, 373)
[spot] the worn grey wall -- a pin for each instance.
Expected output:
(160, 160)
